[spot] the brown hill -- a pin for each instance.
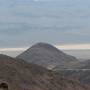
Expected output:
(16, 74)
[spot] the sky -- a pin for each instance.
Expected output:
(58, 22)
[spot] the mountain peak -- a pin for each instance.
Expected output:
(44, 45)
(46, 55)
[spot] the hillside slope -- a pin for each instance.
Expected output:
(19, 75)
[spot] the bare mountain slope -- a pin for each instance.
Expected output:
(20, 75)
(48, 56)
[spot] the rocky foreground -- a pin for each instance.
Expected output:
(17, 74)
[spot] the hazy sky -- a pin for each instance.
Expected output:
(25, 22)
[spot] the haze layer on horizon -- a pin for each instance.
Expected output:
(80, 51)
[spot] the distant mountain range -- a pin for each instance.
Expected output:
(48, 56)
(16, 74)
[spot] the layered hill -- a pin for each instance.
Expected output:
(47, 56)
(81, 71)
(20, 75)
